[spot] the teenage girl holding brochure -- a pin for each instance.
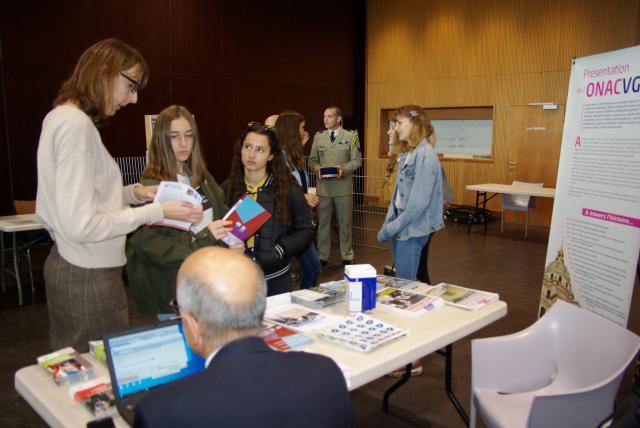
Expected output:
(259, 169)
(155, 253)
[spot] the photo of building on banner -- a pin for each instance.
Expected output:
(594, 240)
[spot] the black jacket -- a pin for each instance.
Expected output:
(276, 243)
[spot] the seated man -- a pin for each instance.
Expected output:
(221, 297)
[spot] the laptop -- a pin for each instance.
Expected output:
(142, 359)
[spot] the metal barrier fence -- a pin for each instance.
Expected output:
(369, 206)
(131, 168)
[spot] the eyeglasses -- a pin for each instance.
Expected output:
(133, 83)
(174, 305)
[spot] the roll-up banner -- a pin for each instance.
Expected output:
(594, 239)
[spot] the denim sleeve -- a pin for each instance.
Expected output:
(383, 234)
(427, 169)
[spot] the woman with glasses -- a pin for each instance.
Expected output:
(81, 200)
(289, 128)
(154, 254)
(259, 169)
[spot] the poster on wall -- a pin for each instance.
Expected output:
(595, 228)
(149, 124)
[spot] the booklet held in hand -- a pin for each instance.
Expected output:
(175, 191)
(247, 216)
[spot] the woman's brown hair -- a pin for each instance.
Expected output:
(162, 160)
(276, 168)
(288, 132)
(91, 83)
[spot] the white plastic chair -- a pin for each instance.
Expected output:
(518, 203)
(563, 371)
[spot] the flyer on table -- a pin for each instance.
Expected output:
(595, 229)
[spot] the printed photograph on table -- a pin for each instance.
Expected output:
(383, 281)
(325, 294)
(299, 317)
(407, 303)
(281, 338)
(294, 317)
(463, 298)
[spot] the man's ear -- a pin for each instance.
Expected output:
(193, 332)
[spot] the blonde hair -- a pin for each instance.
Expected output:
(162, 160)
(422, 128)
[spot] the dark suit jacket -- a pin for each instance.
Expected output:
(249, 385)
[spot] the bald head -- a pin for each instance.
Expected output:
(270, 122)
(223, 290)
(232, 277)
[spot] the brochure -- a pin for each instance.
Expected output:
(281, 338)
(406, 302)
(402, 284)
(325, 294)
(96, 349)
(299, 317)
(362, 333)
(248, 216)
(96, 396)
(66, 366)
(464, 298)
(175, 191)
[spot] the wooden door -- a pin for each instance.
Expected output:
(535, 136)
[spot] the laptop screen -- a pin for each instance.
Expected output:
(142, 359)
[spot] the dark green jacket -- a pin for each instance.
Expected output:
(155, 253)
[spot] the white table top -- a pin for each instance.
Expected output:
(20, 223)
(543, 192)
(427, 333)
(52, 402)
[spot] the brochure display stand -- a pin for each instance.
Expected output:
(595, 229)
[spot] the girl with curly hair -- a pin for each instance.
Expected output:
(259, 170)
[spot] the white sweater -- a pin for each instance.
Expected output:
(81, 200)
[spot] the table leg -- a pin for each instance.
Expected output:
(33, 288)
(474, 211)
(484, 210)
(481, 199)
(405, 377)
(448, 354)
(4, 286)
(17, 269)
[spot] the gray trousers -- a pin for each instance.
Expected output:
(83, 304)
(344, 208)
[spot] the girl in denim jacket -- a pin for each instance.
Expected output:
(415, 211)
